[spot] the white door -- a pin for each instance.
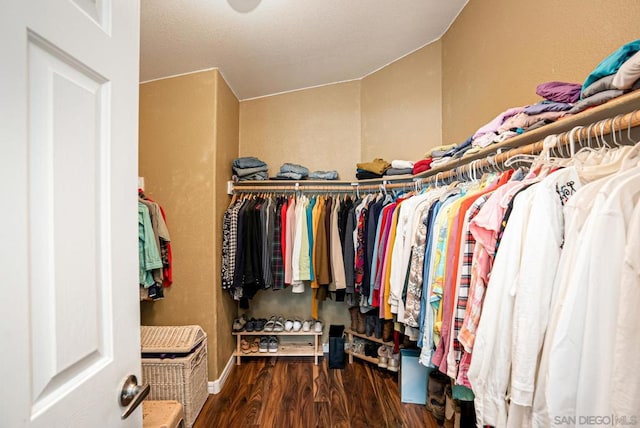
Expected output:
(69, 312)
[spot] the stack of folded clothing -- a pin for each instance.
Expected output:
(249, 168)
(400, 167)
(442, 155)
(374, 169)
(558, 101)
(422, 165)
(292, 171)
(324, 175)
(615, 75)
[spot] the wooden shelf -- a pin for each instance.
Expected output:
(287, 350)
(313, 348)
(274, 333)
(362, 357)
(626, 103)
(369, 338)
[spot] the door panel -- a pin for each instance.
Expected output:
(69, 249)
(69, 334)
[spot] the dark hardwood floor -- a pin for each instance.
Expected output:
(292, 392)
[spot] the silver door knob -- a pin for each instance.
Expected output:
(132, 395)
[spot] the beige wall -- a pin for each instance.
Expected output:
(188, 126)
(402, 107)
(227, 120)
(498, 51)
(318, 128)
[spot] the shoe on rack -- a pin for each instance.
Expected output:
(264, 344)
(393, 362)
(245, 346)
(279, 325)
(317, 327)
(273, 344)
(383, 356)
(297, 324)
(288, 325)
(353, 311)
(306, 325)
(239, 323)
(387, 330)
(269, 325)
(361, 322)
(378, 327)
(255, 345)
(371, 349)
(250, 325)
(259, 324)
(370, 325)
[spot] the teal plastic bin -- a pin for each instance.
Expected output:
(413, 377)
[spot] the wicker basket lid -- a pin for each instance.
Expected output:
(178, 339)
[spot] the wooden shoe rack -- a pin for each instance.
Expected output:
(311, 348)
(351, 334)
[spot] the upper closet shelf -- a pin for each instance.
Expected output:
(618, 106)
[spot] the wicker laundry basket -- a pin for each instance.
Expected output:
(174, 364)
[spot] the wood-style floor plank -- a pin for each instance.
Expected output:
(293, 392)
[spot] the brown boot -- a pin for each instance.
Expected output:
(361, 322)
(353, 311)
(387, 330)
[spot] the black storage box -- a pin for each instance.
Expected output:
(336, 347)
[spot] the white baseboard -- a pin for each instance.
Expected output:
(215, 386)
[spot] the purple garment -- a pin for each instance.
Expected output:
(544, 106)
(561, 92)
(499, 120)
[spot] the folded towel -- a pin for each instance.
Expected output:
(402, 164)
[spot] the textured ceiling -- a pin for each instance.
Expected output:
(271, 46)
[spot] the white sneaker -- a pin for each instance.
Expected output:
(393, 363)
(318, 327)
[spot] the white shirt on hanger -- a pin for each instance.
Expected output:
(491, 362)
(603, 291)
(625, 379)
(534, 287)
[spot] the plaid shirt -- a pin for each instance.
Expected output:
(277, 261)
(229, 244)
(466, 252)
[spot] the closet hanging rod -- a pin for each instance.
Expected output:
(581, 137)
